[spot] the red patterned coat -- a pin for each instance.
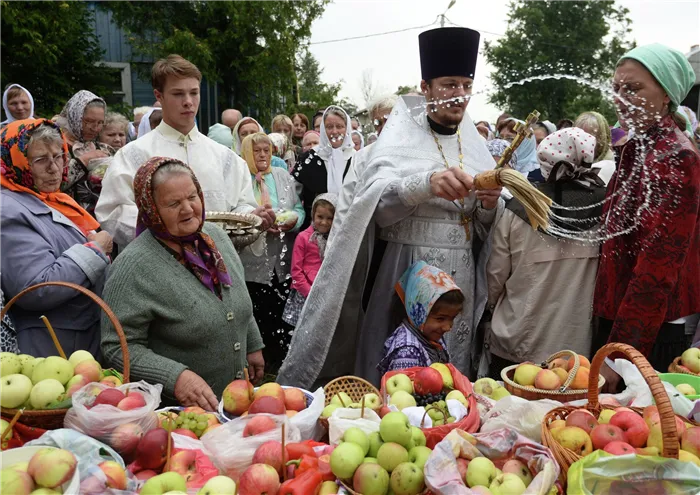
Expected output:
(651, 273)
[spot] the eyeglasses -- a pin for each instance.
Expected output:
(93, 123)
(47, 161)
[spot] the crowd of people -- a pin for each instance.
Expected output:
(378, 251)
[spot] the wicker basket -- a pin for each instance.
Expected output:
(354, 386)
(566, 457)
(53, 418)
(677, 367)
(563, 394)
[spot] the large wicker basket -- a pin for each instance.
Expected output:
(53, 418)
(563, 394)
(566, 457)
(677, 367)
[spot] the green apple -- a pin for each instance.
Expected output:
(373, 401)
(370, 479)
(447, 381)
(407, 479)
(391, 455)
(163, 483)
(341, 399)
(218, 485)
(354, 405)
(53, 367)
(691, 359)
(499, 393)
(395, 427)
(46, 491)
(458, 396)
(419, 455)
(686, 389)
(375, 441)
(16, 482)
(345, 459)
(23, 358)
(525, 374)
(480, 472)
(402, 400)
(15, 390)
(357, 436)
(328, 410)
(79, 356)
(29, 365)
(10, 364)
(417, 437)
(507, 484)
(370, 460)
(399, 382)
(45, 392)
(485, 386)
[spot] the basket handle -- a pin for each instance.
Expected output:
(663, 404)
(108, 311)
(439, 409)
(574, 370)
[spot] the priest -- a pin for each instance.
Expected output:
(418, 189)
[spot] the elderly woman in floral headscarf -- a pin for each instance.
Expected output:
(47, 237)
(179, 293)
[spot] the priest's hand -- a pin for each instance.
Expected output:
(489, 197)
(267, 214)
(192, 390)
(451, 184)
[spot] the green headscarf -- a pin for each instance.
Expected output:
(669, 67)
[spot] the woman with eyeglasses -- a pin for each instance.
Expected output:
(45, 236)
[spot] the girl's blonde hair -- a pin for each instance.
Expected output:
(281, 120)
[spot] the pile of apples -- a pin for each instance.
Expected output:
(554, 376)
(623, 431)
(341, 399)
(46, 471)
(483, 477)
(44, 383)
(240, 399)
(488, 387)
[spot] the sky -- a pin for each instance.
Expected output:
(393, 58)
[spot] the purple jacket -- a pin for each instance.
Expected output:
(39, 244)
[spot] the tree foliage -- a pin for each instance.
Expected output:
(313, 93)
(404, 90)
(580, 38)
(50, 49)
(248, 47)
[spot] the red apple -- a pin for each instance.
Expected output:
(267, 404)
(151, 451)
(690, 440)
(146, 474)
(184, 463)
(186, 433)
(116, 476)
(109, 396)
(610, 401)
(602, 435)
(270, 453)
(126, 437)
(383, 411)
(427, 381)
(259, 479)
(633, 425)
(294, 399)
(619, 448)
(652, 417)
(462, 465)
(258, 425)
(583, 419)
(269, 390)
(90, 369)
(132, 401)
(237, 397)
(194, 409)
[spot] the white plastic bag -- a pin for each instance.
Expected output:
(100, 421)
(523, 416)
(307, 419)
(344, 418)
(232, 453)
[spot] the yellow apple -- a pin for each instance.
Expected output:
(525, 374)
(574, 439)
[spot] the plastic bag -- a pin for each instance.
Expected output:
(232, 453)
(442, 476)
(344, 418)
(607, 474)
(100, 421)
(516, 413)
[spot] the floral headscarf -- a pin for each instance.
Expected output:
(74, 110)
(200, 254)
(496, 147)
(17, 175)
(419, 289)
(567, 155)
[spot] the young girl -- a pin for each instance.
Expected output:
(307, 256)
(430, 302)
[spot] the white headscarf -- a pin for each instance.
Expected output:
(10, 118)
(362, 138)
(335, 158)
(145, 124)
(280, 142)
(237, 139)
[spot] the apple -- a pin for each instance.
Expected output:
(605, 415)
(10, 364)
(185, 433)
(372, 401)
(45, 392)
(259, 479)
(391, 455)
(557, 423)
(294, 399)
(375, 441)
(341, 399)
(652, 451)
(690, 440)
(519, 469)
(688, 457)
(582, 419)
(15, 391)
(562, 374)
(633, 425)
(218, 485)
(116, 476)
(458, 396)
(126, 437)
(110, 397)
(691, 359)
(558, 363)
(686, 389)
(370, 479)
(328, 410)
(258, 425)
(151, 452)
(447, 379)
(270, 453)
(574, 439)
(358, 437)
(619, 448)
(15, 482)
(604, 434)
(395, 427)
(507, 484)
(164, 483)
(345, 460)
(485, 386)
(427, 381)
(370, 460)
(419, 455)
(525, 374)
(53, 367)
(580, 381)
(267, 404)
(29, 365)
(51, 467)
(270, 390)
(75, 384)
(399, 381)
(132, 401)
(184, 463)
(111, 381)
(237, 397)
(417, 437)
(480, 472)
(146, 474)
(402, 399)
(499, 393)
(547, 380)
(90, 369)
(609, 401)
(80, 356)
(583, 362)
(407, 479)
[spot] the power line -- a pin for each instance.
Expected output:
(375, 34)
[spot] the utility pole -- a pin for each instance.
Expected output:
(442, 16)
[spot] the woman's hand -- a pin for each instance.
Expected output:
(256, 366)
(103, 241)
(267, 214)
(489, 197)
(192, 390)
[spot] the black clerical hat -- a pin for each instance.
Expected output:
(448, 51)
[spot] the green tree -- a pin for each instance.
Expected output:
(50, 49)
(313, 93)
(404, 90)
(579, 38)
(248, 47)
